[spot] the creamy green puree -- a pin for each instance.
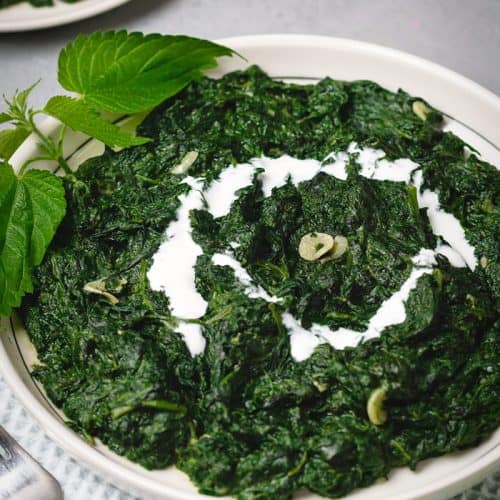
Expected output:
(292, 286)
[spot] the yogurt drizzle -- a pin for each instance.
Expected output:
(391, 312)
(252, 290)
(173, 264)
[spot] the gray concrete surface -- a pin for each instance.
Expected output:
(463, 35)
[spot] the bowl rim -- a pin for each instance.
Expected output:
(59, 15)
(120, 475)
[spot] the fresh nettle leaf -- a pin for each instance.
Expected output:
(31, 208)
(117, 72)
(10, 140)
(78, 116)
(5, 117)
(18, 115)
(22, 117)
(125, 72)
(17, 107)
(48, 204)
(16, 223)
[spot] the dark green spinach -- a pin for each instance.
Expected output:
(243, 418)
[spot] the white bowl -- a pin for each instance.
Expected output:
(291, 57)
(25, 17)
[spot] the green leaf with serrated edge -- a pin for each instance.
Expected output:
(17, 113)
(10, 140)
(21, 97)
(8, 182)
(48, 205)
(131, 72)
(77, 115)
(31, 208)
(16, 226)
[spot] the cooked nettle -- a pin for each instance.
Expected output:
(335, 330)
(107, 72)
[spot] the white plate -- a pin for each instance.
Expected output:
(25, 17)
(292, 57)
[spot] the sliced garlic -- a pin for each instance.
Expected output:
(421, 109)
(340, 247)
(313, 246)
(185, 163)
(321, 386)
(374, 407)
(99, 288)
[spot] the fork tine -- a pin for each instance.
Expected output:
(21, 477)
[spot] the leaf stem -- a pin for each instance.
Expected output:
(298, 467)
(48, 145)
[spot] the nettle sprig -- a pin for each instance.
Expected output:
(112, 74)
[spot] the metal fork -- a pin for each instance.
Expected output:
(21, 477)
